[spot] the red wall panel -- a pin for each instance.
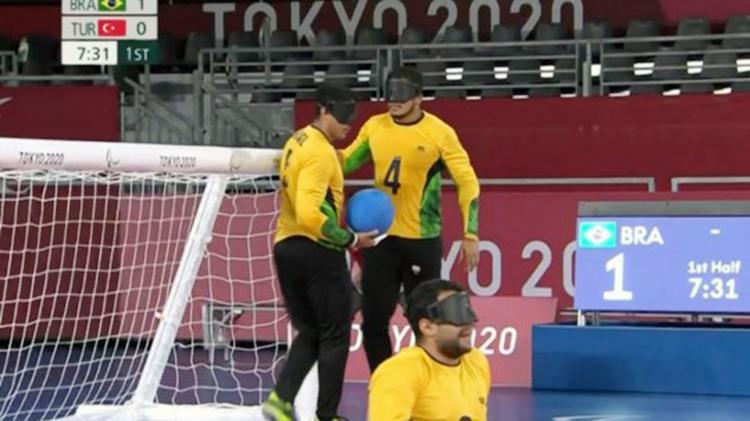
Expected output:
(640, 136)
(60, 112)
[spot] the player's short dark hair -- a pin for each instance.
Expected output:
(424, 295)
(409, 73)
(330, 92)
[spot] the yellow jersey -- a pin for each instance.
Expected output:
(413, 386)
(312, 190)
(408, 161)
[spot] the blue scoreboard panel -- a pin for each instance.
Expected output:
(663, 257)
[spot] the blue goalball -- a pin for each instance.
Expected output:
(369, 209)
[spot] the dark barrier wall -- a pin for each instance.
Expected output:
(60, 112)
(649, 136)
(308, 16)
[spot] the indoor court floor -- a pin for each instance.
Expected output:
(523, 404)
(74, 375)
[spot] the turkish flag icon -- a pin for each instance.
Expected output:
(112, 28)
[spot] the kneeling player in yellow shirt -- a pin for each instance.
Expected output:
(442, 378)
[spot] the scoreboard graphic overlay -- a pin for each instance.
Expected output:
(109, 32)
(690, 257)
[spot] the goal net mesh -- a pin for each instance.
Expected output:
(87, 262)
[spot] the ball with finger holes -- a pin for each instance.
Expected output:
(368, 210)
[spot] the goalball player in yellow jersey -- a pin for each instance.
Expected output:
(309, 257)
(409, 149)
(442, 378)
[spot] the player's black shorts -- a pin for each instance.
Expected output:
(401, 261)
(315, 283)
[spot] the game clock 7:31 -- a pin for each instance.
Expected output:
(89, 52)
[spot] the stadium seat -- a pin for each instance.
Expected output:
(451, 91)
(667, 68)
(433, 73)
(279, 39)
(298, 80)
(617, 73)
(717, 64)
(478, 74)
(456, 35)
(369, 37)
(501, 34)
(692, 27)
(641, 29)
(326, 38)
(196, 42)
(549, 32)
(346, 73)
(168, 54)
(413, 35)
(524, 71)
(670, 67)
(565, 72)
(738, 25)
(594, 31)
(244, 40)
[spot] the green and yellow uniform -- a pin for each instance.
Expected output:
(408, 161)
(312, 193)
(413, 386)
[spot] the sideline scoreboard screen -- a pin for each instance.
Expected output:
(663, 257)
(109, 32)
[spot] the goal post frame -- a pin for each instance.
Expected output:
(217, 164)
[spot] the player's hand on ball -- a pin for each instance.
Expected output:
(470, 253)
(366, 239)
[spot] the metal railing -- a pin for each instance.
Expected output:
(231, 124)
(658, 64)
(536, 68)
(228, 80)
(8, 63)
(155, 121)
(270, 73)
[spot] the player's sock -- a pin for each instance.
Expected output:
(277, 409)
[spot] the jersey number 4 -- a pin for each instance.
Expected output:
(392, 175)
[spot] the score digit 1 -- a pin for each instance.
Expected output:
(618, 291)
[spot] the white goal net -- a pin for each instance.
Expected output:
(133, 275)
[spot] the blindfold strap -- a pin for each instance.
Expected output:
(455, 309)
(402, 90)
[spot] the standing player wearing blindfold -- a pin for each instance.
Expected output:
(409, 149)
(309, 256)
(443, 377)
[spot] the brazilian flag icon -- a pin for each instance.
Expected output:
(112, 5)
